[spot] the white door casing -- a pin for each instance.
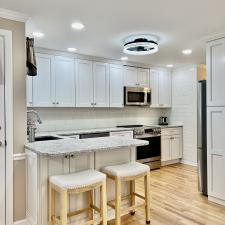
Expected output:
(6, 131)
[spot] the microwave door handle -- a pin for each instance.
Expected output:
(146, 97)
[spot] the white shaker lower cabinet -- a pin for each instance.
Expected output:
(101, 84)
(171, 145)
(64, 82)
(84, 84)
(161, 88)
(216, 73)
(43, 85)
(116, 86)
(216, 154)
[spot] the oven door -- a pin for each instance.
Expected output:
(137, 96)
(150, 152)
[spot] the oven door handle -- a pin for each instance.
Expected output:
(146, 136)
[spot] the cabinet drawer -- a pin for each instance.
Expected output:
(126, 134)
(171, 131)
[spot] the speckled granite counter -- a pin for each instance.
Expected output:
(69, 146)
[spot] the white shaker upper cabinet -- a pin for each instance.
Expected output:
(130, 76)
(154, 85)
(84, 84)
(165, 89)
(29, 86)
(143, 77)
(101, 84)
(43, 87)
(64, 82)
(216, 73)
(116, 85)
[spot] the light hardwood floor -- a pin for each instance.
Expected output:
(175, 200)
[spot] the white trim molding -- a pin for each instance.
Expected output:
(19, 156)
(13, 15)
(21, 222)
(190, 163)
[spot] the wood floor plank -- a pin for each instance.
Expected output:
(175, 200)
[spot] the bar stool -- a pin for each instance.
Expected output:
(129, 172)
(84, 181)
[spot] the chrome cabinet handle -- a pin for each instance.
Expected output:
(57, 103)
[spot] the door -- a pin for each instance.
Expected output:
(176, 147)
(154, 85)
(2, 133)
(29, 86)
(165, 148)
(143, 77)
(43, 88)
(216, 73)
(101, 84)
(116, 86)
(64, 82)
(84, 84)
(130, 76)
(164, 89)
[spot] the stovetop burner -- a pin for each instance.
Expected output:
(131, 126)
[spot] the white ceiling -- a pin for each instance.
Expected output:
(179, 24)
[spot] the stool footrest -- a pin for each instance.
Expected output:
(139, 196)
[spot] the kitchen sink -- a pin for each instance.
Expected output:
(47, 138)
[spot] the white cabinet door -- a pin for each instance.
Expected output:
(64, 82)
(216, 151)
(216, 73)
(154, 85)
(116, 86)
(143, 77)
(164, 89)
(101, 84)
(176, 147)
(43, 88)
(165, 148)
(130, 76)
(29, 86)
(84, 84)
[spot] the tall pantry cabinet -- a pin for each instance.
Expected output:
(216, 120)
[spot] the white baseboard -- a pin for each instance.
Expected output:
(190, 163)
(21, 222)
(216, 200)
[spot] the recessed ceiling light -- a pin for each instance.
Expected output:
(71, 49)
(77, 26)
(38, 34)
(187, 51)
(170, 66)
(124, 58)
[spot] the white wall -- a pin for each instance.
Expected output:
(55, 119)
(184, 109)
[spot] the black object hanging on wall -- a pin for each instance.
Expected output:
(31, 59)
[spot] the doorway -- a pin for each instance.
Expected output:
(6, 129)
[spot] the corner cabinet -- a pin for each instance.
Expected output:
(161, 88)
(171, 145)
(92, 84)
(136, 77)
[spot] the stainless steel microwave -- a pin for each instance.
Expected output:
(138, 96)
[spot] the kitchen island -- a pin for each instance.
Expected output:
(64, 156)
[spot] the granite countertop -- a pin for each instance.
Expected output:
(84, 131)
(69, 146)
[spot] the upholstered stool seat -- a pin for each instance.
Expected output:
(129, 172)
(80, 182)
(126, 170)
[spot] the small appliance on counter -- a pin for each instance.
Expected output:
(163, 120)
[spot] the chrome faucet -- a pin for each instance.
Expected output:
(32, 118)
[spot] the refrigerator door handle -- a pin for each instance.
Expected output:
(199, 117)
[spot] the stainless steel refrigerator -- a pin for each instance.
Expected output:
(202, 138)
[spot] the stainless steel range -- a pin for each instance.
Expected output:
(151, 153)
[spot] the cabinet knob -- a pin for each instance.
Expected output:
(66, 156)
(57, 103)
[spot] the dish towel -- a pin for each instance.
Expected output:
(31, 59)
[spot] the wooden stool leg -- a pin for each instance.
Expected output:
(132, 190)
(51, 204)
(90, 202)
(63, 207)
(118, 201)
(147, 197)
(103, 203)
